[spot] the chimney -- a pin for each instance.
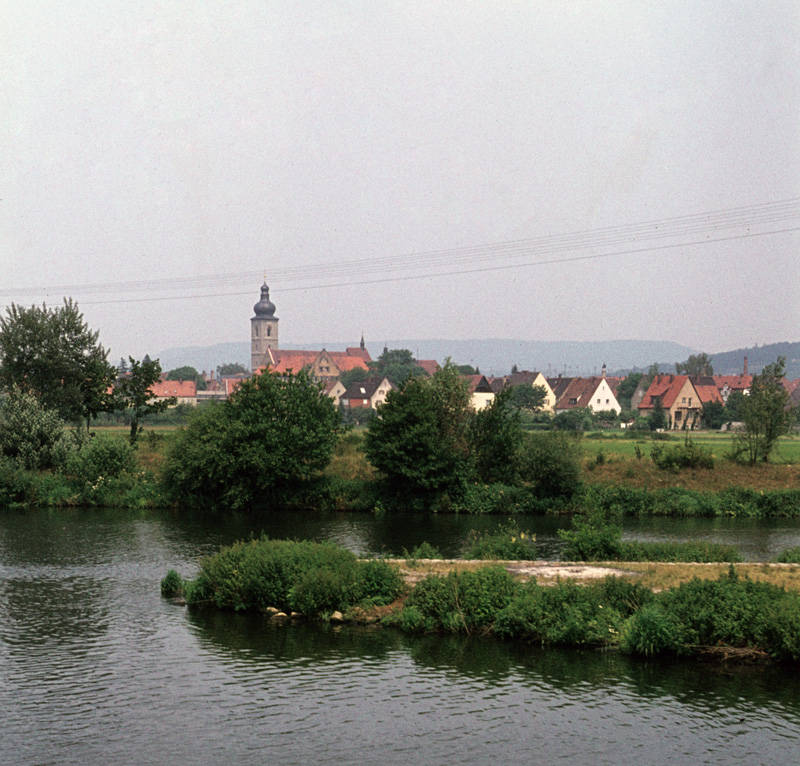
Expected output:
(603, 369)
(745, 366)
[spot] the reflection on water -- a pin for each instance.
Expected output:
(95, 668)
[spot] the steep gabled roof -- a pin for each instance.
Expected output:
(559, 385)
(365, 389)
(477, 384)
(578, 393)
(665, 387)
(285, 360)
(706, 388)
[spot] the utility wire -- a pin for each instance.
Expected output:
(468, 259)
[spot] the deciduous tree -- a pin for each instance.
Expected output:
(272, 433)
(54, 355)
(765, 415)
(134, 393)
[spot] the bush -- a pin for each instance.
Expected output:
(565, 613)
(729, 612)
(34, 437)
(461, 601)
(172, 584)
(310, 577)
(592, 538)
(507, 543)
(422, 551)
(686, 455)
(551, 463)
(790, 556)
(105, 457)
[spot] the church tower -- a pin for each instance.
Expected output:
(263, 330)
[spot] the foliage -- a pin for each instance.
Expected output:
(657, 419)
(696, 364)
(529, 398)
(765, 415)
(313, 578)
(734, 407)
(396, 364)
(183, 373)
(731, 611)
(592, 538)
(103, 456)
(422, 551)
(133, 392)
(356, 375)
(494, 435)
(507, 543)
(790, 556)
(550, 462)
(713, 415)
(565, 613)
(272, 433)
(467, 369)
(231, 368)
(420, 441)
(54, 355)
(576, 419)
(172, 584)
(686, 455)
(461, 601)
(626, 389)
(31, 435)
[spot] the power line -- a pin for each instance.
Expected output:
(381, 280)
(465, 259)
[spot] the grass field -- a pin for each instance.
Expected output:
(618, 461)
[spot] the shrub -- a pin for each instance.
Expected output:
(686, 455)
(461, 601)
(422, 551)
(311, 577)
(565, 613)
(508, 543)
(551, 462)
(790, 556)
(106, 457)
(592, 538)
(34, 437)
(172, 584)
(273, 433)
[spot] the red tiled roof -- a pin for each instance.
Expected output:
(180, 388)
(578, 392)
(734, 382)
(706, 388)
(666, 387)
(477, 383)
(429, 365)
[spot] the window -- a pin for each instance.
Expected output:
(683, 401)
(677, 414)
(269, 330)
(573, 401)
(690, 401)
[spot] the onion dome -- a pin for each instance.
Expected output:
(265, 307)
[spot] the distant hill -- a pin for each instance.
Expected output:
(493, 356)
(732, 362)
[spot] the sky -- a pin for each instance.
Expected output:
(533, 170)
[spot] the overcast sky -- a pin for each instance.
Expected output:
(218, 141)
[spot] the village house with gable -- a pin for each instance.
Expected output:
(526, 378)
(593, 393)
(370, 393)
(681, 399)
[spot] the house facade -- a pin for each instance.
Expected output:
(368, 393)
(593, 393)
(679, 399)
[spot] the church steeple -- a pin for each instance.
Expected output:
(263, 330)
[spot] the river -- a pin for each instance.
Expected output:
(96, 668)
